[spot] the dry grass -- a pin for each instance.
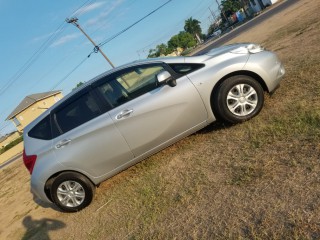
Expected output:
(256, 180)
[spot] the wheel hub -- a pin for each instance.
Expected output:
(242, 99)
(70, 193)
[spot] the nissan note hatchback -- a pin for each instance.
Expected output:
(131, 112)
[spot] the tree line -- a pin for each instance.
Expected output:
(188, 38)
(192, 34)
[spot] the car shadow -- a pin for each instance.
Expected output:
(46, 205)
(39, 229)
(217, 125)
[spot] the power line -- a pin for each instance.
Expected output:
(36, 55)
(5, 126)
(32, 59)
(40, 51)
(81, 9)
(65, 77)
(194, 12)
(109, 22)
(135, 23)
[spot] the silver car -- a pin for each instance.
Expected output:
(129, 113)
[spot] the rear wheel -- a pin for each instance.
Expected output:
(71, 191)
(238, 99)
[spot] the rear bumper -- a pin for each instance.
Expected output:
(37, 190)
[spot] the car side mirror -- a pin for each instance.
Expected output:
(165, 77)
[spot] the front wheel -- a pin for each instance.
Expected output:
(71, 191)
(238, 99)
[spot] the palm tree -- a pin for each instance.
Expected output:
(192, 26)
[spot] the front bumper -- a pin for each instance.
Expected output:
(268, 66)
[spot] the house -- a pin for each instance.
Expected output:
(31, 107)
(259, 5)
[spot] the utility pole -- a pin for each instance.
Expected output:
(96, 47)
(212, 13)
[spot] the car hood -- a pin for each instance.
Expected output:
(227, 48)
(230, 50)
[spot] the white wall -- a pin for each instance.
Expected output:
(256, 7)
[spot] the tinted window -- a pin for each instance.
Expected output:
(185, 68)
(77, 112)
(42, 130)
(130, 84)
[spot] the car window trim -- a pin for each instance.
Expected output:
(108, 106)
(201, 65)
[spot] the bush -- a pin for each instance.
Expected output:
(11, 145)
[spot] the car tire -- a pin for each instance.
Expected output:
(71, 191)
(238, 99)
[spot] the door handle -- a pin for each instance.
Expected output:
(63, 143)
(124, 113)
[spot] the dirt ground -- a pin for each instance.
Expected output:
(23, 218)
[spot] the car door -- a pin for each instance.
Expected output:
(88, 140)
(151, 116)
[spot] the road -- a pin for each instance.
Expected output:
(10, 161)
(255, 21)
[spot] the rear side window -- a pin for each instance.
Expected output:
(185, 68)
(77, 112)
(42, 130)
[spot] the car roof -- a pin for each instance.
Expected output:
(168, 60)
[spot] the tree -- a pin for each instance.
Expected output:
(183, 39)
(192, 26)
(211, 29)
(244, 4)
(152, 53)
(230, 6)
(78, 85)
(160, 49)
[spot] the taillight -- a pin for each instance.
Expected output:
(29, 161)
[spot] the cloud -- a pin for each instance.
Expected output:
(40, 38)
(104, 13)
(89, 8)
(65, 39)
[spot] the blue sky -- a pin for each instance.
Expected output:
(39, 49)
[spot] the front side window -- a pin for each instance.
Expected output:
(130, 84)
(77, 112)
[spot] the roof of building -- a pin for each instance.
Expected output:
(29, 100)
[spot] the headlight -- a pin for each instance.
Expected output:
(255, 48)
(250, 48)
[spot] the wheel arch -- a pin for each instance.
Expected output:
(242, 72)
(254, 75)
